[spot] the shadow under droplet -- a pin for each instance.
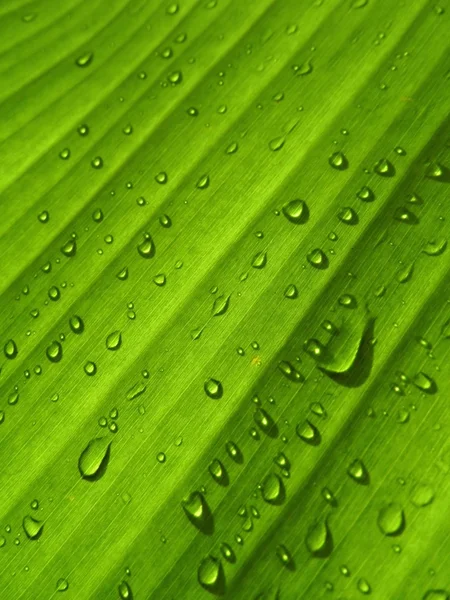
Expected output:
(360, 370)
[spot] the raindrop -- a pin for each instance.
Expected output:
(363, 586)
(366, 194)
(114, 340)
(425, 383)
(220, 306)
(76, 324)
(175, 78)
(358, 472)
(259, 260)
(10, 349)
(309, 433)
(436, 595)
(391, 519)
(203, 182)
(265, 422)
(272, 489)
(54, 352)
(85, 59)
(422, 495)
(291, 292)
(319, 540)
(338, 161)
(348, 216)
(277, 143)
(218, 472)
(147, 247)
(32, 527)
(296, 211)
(62, 585)
(290, 372)
(304, 69)
(213, 388)
(384, 168)
(211, 575)
(285, 557)
(404, 215)
(198, 512)
(125, 592)
(436, 171)
(318, 259)
(97, 162)
(90, 368)
(94, 459)
(234, 452)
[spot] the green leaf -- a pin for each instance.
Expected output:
(225, 301)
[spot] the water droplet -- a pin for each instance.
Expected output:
(436, 171)
(436, 595)
(234, 452)
(165, 221)
(348, 301)
(308, 432)
(211, 575)
(366, 194)
(198, 512)
(161, 457)
(44, 216)
(265, 422)
(10, 349)
(90, 368)
(391, 519)
(304, 69)
(348, 216)
(137, 390)
(363, 586)
(94, 459)
(285, 557)
(64, 154)
(123, 274)
(85, 59)
(125, 592)
(319, 540)
(220, 306)
(435, 247)
(384, 168)
(62, 585)
(329, 497)
(277, 143)
(161, 178)
(358, 472)
(404, 215)
(359, 3)
(147, 247)
(32, 527)
(97, 162)
(114, 340)
(338, 161)
(291, 292)
(97, 215)
(76, 324)
(296, 211)
(227, 552)
(160, 280)
(232, 148)
(54, 352)
(54, 294)
(218, 472)
(213, 388)
(203, 182)
(175, 78)
(172, 9)
(272, 489)
(290, 372)
(422, 495)
(317, 259)
(259, 260)
(424, 383)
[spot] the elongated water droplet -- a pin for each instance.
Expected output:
(319, 540)
(308, 432)
(435, 248)
(234, 452)
(10, 349)
(259, 260)
(198, 512)
(203, 182)
(137, 390)
(32, 527)
(265, 422)
(76, 324)
(211, 575)
(358, 472)
(338, 161)
(147, 247)
(125, 592)
(220, 306)
(54, 352)
(404, 275)
(272, 489)
(290, 372)
(85, 59)
(213, 388)
(304, 69)
(114, 340)
(123, 274)
(391, 519)
(424, 383)
(384, 168)
(175, 78)
(363, 586)
(404, 215)
(227, 552)
(70, 248)
(296, 211)
(94, 459)
(277, 143)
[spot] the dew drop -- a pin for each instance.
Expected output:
(76, 324)
(211, 575)
(277, 143)
(296, 211)
(198, 512)
(358, 472)
(10, 349)
(291, 292)
(54, 352)
(290, 372)
(94, 459)
(366, 194)
(62, 585)
(114, 340)
(259, 260)
(318, 540)
(218, 472)
(317, 259)
(32, 527)
(221, 305)
(338, 161)
(161, 178)
(85, 59)
(147, 247)
(70, 248)
(384, 168)
(125, 592)
(272, 489)
(391, 519)
(348, 216)
(90, 368)
(213, 388)
(309, 433)
(97, 162)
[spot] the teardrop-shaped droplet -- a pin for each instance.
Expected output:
(114, 340)
(338, 161)
(315, 349)
(290, 372)
(285, 557)
(94, 459)
(147, 247)
(90, 368)
(435, 171)
(319, 540)
(123, 274)
(304, 69)
(348, 216)
(296, 211)
(277, 143)
(218, 472)
(211, 575)
(227, 552)
(265, 422)
(391, 519)
(220, 306)
(10, 349)
(272, 489)
(124, 590)
(291, 292)
(259, 260)
(366, 194)
(203, 182)
(76, 324)
(32, 527)
(213, 388)
(198, 512)
(62, 585)
(384, 168)
(234, 452)
(54, 352)
(85, 59)
(70, 248)
(308, 432)
(358, 472)
(425, 383)
(404, 215)
(318, 259)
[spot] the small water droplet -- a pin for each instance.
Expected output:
(318, 540)
(317, 259)
(90, 368)
(76, 324)
(422, 495)
(391, 519)
(161, 178)
(404, 215)
(198, 512)
(358, 472)
(363, 586)
(290, 372)
(234, 452)
(277, 143)
(366, 194)
(97, 162)
(85, 59)
(304, 69)
(259, 260)
(348, 216)
(62, 585)
(291, 292)
(213, 388)
(218, 472)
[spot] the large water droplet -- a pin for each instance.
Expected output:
(94, 459)
(309, 433)
(437, 172)
(124, 590)
(318, 259)
(338, 161)
(272, 489)
(70, 248)
(213, 388)
(76, 324)
(425, 383)
(198, 512)
(296, 211)
(32, 527)
(147, 248)
(265, 422)
(10, 349)
(211, 575)
(54, 352)
(220, 306)
(114, 340)
(319, 540)
(391, 519)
